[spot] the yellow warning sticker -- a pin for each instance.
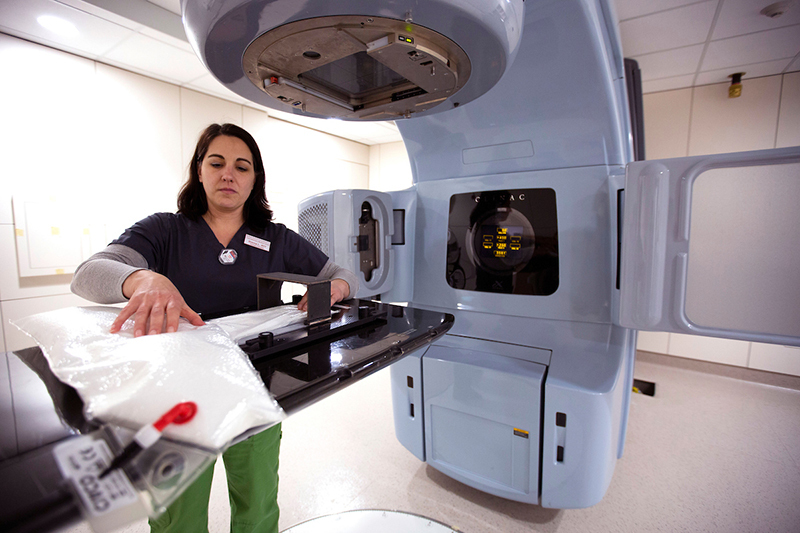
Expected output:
(521, 433)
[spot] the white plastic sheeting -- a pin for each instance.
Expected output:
(131, 381)
(245, 325)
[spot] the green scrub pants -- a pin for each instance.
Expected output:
(252, 469)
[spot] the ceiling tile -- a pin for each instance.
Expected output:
(795, 66)
(210, 85)
(739, 17)
(84, 6)
(756, 70)
(340, 128)
(667, 84)
(627, 9)
(670, 63)
(669, 29)
(169, 5)
(167, 39)
(160, 59)
(365, 132)
(133, 14)
(95, 36)
(753, 48)
(381, 139)
(389, 126)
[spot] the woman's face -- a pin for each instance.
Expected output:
(227, 174)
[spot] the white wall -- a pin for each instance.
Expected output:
(389, 167)
(118, 144)
(703, 120)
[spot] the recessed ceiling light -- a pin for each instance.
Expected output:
(58, 25)
(777, 9)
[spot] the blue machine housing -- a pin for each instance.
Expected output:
(527, 396)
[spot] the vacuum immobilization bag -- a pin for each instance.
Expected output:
(131, 381)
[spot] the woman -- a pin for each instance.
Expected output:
(205, 259)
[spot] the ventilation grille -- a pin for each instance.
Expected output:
(313, 225)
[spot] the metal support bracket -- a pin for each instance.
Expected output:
(319, 294)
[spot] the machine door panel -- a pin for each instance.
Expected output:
(482, 420)
(711, 246)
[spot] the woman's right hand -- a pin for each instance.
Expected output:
(152, 297)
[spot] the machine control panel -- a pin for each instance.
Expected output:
(503, 241)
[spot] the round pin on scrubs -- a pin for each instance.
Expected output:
(227, 256)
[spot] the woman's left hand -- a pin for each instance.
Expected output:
(339, 291)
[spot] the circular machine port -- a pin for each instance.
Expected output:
(356, 67)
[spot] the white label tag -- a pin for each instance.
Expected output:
(82, 460)
(255, 242)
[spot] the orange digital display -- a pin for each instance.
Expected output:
(501, 242)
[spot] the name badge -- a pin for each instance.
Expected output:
(255, 242)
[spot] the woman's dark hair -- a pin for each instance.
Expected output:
(192, 201)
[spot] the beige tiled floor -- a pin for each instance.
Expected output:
(707, 453)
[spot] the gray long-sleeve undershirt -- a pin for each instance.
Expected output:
(100, 278)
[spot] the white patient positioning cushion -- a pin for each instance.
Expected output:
(131, 381)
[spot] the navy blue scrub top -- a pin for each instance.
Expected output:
(187, 252)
